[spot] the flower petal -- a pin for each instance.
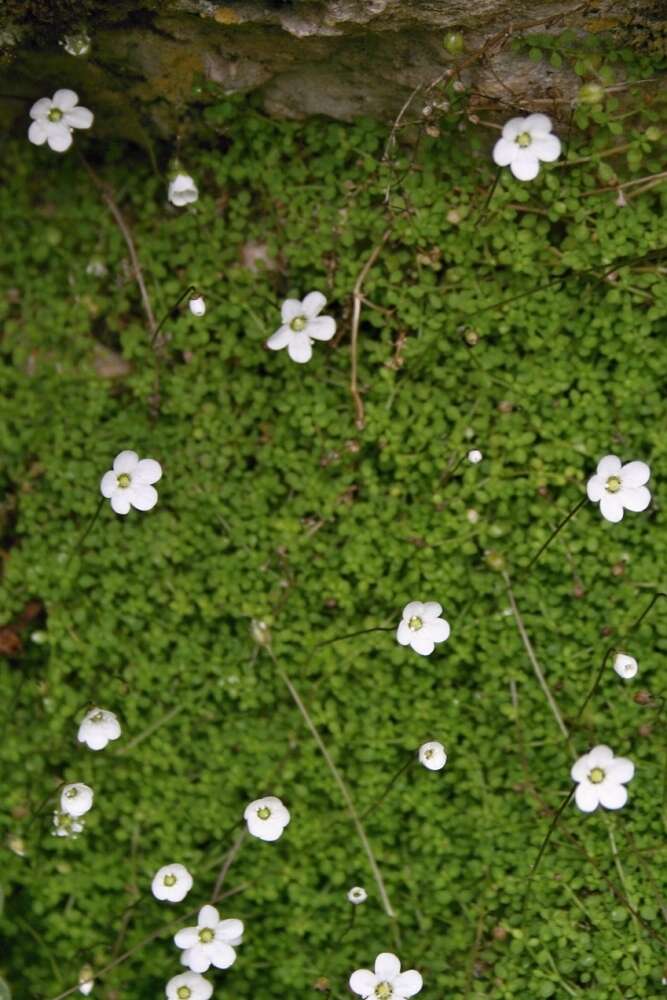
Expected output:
(587, 797)
(120, 502)
(513, 128)
(537, 124)
(635, 474)
(197, 959)
(108, 484)
(230, 930)
(621, 770)
(363, 982)
(313, 304)
(525, 166)
(611, 507)
(321, 328)
(422, 642)
(186, 938)
(58, 137)
(143, 497)
(208, 916)
(613, 796)
(415, 609)
(65, 99)
(78, 118)
(280, 338)
(299, 348)
(41, 108)
(600, 756)
(221, 954)
(636, 499)
(125, 461)
(147, 471)
(290, 309)
(546, 148)
(404, 634)
(438, 630)
(432, 610)
(408, 983)
(608, 466)
(38, 132)
(503, 152)
(580, 768)
(387, 966)
(595, 488)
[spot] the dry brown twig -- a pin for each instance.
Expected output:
(357, 301)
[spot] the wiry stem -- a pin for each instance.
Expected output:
(551, 537)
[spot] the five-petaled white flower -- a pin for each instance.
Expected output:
(301, 325)
(182, 190)
(387, 982)
(433, 755)
(189, 986)
(357, 895)
(172, 882)
(475, 456)
(266, 818)
(130, 482)
(55, 118)
(601, 779)
(211, 942)
(197, 305)
(76, 799)
(98, 728)
(65, 825)
(422, 627)
(625, 666)
(615, 487)
(524, 142)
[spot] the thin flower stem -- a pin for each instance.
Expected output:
(222, 874)
(349, 927)
(533, 659)
(489, 197)
(552, 826)
(172, 309)
(86, 532)
(389, 910)
(351, 635)
(603, 152)
(357, 299)
(553, 534)
(611, 649)
(390, 784)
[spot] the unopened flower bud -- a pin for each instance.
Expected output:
(453, 43)
(590, 93)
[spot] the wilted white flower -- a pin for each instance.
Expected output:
(55, 119)
(197, 305)
(189, 986)
(76, 799)
(77, 44)
(301, 325)
(129, 483)
(260, 632)
(16, 844)
(172, 882)
(625, 666)
(211, 942)
(524, 142)
(357, 895)
(65, 825)
(601, 779)
(182, 190)
(472, 515)
(86, 980)
(422, 627)
(433, 755)
(98, 728)
(96, 267)
(387, 982)
(615, 487)
(474, 456)
(266, 818)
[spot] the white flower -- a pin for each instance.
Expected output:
(211, 942)
(266, 818)
(197, 305)
(189, 986)
(98, 728)
(601, 778)
(76, 799)
(55, 119)
(65, 825)
(625, 666)
(86, 980)
(129, 483)
(77, 45)
(472, 515)
(474, 456)
(524, 142)
(172, 882)
(433, 755)
(301, 325)
(182, 190)
(357, 895)
(422, 627)
(615, 486)
(387, 982)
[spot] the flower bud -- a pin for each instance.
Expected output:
(453, 43)
(590, 93)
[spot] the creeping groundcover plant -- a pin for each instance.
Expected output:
(244, 761)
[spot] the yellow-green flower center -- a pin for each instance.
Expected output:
(415, 623)
(299, 323)
(206, 935)
(71, 793)
(613, 484)
(524, 139)
(183, 992)
(55, 114)
(264, 812)
(124, 480)
(383, 991)
(596, 775)
(98, 717)
(170, 880)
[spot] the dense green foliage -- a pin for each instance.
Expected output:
(275, 506)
